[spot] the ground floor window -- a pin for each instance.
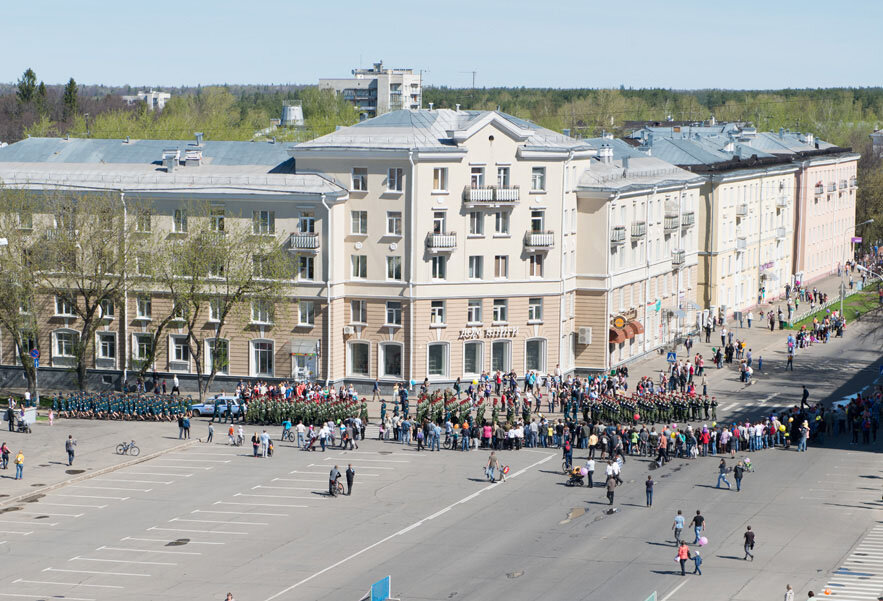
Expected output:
(359, 353)
(535, 355)
(107, 345)
(217, 350)
(262, 358)
(472, 357)
(65, 341)
(391, 360)
(500, 354)
(437, 360)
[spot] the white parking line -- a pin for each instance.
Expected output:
(58, 494)
(146, 563)
(314, 474)
(136, 481)
(363, 460)
(728, 407)
(17, 532)
(96, 572)
(297, 480)
(166, 541)
(65, 515)
(278, 515)
(221, 522)
(361, 467)
(72, 505)
(182, 467)
(104, 548)
(21, 596)
(285, 487)
(17, 580)
(260, 504)
(242, 494)
(157, 528)
(199, 460)
(208, 454)
(157, 474)
(111, 488)
(28, 523)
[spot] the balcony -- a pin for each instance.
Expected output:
(539, 240)
(780, 233)
(506, 194)
(843, 184)
(491, 195)
(670, 223)
(677, 257)
(741, 243)
(441, 242)
(617, 234)
(781, 202)
(832, 187)
(853, 182)
(308, 241)
(742, 210)
(688, 219)
(639, 229)
(820, 189)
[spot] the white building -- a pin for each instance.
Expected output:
(379, 90)
(155, 101)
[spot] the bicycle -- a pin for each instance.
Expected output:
(128, 448)
(288, 435)
(448, 442)
(338, 487)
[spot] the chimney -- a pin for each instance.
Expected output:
(605, 153)
(170, 158)
(781, 132)
(430, 106)
(458, 107)
(198, 138)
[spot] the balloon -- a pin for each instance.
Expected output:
(703, 541)
(713, 424)
(474, 382)
(413, 382)
(674, 426)
(790, 419)
(583, 471)
(818, 418)
(672, 435)
(782, 427)
(637, 416)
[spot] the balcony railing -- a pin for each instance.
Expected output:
(491, 195)
(853, 182)
(832, 186)
(843, 184)
(820, 189)
(688, 218)
(780, 233)
(781, 202)
(441, 242)
(741, 243)
(677, 257)
(304, 241)
(534, 239)
(670, 223)
(742, 210)
(639, 229)
(617, 234)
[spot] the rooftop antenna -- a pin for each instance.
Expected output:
(474, 72)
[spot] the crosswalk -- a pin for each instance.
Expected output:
(860, 578)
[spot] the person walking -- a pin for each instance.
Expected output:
(590, 472)
(492, 464)
(19, 465)
(265, 443)
(648, 486)
(186, 427)
(4, 456)
(611, 486)
(738, 472)
(698, 524)
(749, 543)
(697, 561)
(789, 593)
(683, 556)
(678, 527)
(333, 476)
(211, 432)
(350, 476)
(722, 474)
(69, 445)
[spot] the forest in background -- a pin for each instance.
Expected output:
(843, 116)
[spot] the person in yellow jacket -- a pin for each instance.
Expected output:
(19, 465)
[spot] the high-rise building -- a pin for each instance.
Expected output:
(378, 90)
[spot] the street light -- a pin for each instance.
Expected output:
(842, 285)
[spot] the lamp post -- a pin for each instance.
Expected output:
(842, 285)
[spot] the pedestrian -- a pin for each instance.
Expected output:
(19, 465)
(738, 472)
(789, 593)
(230, 597)
(333, 476)
(749, 544)
(590, 471)
(683, 556)
(4, 456)
(265, 443)
(697, 561)
(51, 416)
(180, 427)
(175, 386)
(350, 476)
(722, 474)
(186, 427)
(648, 485)
(211, 432)
(678, 527)
(10, 416)
(698, 524)
(492, 464)
(69, 445)
(611, 486)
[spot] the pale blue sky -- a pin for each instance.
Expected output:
(556, 43)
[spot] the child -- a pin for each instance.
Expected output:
(697, 561)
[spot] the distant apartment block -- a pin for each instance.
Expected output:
(379, 90)
(156, 101)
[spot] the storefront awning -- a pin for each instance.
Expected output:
(304, 346)
(628, 330)
(616, 335)
(638, 326)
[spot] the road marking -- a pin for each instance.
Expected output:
(17, 532)
(182, 467)
(138, 481)
(221, 522)
(29, 523)
(71, 505)
(112, 488)
(364, 460)
(361, 467)
(285, 487)
(208, 454)
(299, 480)
(96, 572)
(199, 460)
(146, 563)
(260, 504)
(407, 529)
(278, 515)
(166, 541)
(157, 474)
(241, 494)
(312, 474)
(17, 580)
(66, 598)
(66, 515)
(58, 494)
(864, 576)
(668, 596)
(103, 548)
(769, 398)
(728, 407)
(200, 531)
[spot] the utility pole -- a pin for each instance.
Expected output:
(474, 72)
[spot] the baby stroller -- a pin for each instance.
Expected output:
(310, 443)
(576, 477)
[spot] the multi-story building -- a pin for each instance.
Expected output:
(378, 90)
(155, 101)
(636, 286)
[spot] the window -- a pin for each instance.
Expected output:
(216, 268)
(263, 223)
(360, 353)
(534, 310)
(473, 311)
(307, 223)
(179, 312)
(394, 313)
(360, 266)
(390, 360)
(217, 350)
(393, 268)
(63, 306)
(261, 266)
(360, 179)
(476, 177)
(472, 357)
(359, 223)
(537, 221)
(476, 223)
(64, 343)
(437, 313)
(439, 267)
(262, 358)
(143, 309)
(437, 360)
(501, 266)
(535, 355)
(536, 265)
(215, 308)
(502, 177)
(180, 224)
(501, 310)
(179, 352)
(107, 309)
(439, 222)
(358, 311)
(538, 179)
(305, 267)
(393, 223)
(306, 313)
(440, 179)
(217, 218)
(141, 346)
(261, 312)
(25, 220)
(501, 223)
(394, 180)
(476, 267)
(107, 345)
(500, 356)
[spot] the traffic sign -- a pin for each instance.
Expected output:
(36, 363)
(35, 353)
(671, 357)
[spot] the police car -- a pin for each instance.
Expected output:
(208, 408)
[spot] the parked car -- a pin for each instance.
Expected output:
(208, 408)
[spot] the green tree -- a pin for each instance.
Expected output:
(27, 86)
(69, 100)
(41, 100)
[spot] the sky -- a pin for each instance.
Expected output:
(678, 44)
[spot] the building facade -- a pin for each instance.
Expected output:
(378, 90)
(155, 101)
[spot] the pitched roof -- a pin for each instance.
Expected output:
(631, 170)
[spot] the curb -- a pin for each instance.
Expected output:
(101, 472)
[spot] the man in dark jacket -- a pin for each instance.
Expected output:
(350, 476)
